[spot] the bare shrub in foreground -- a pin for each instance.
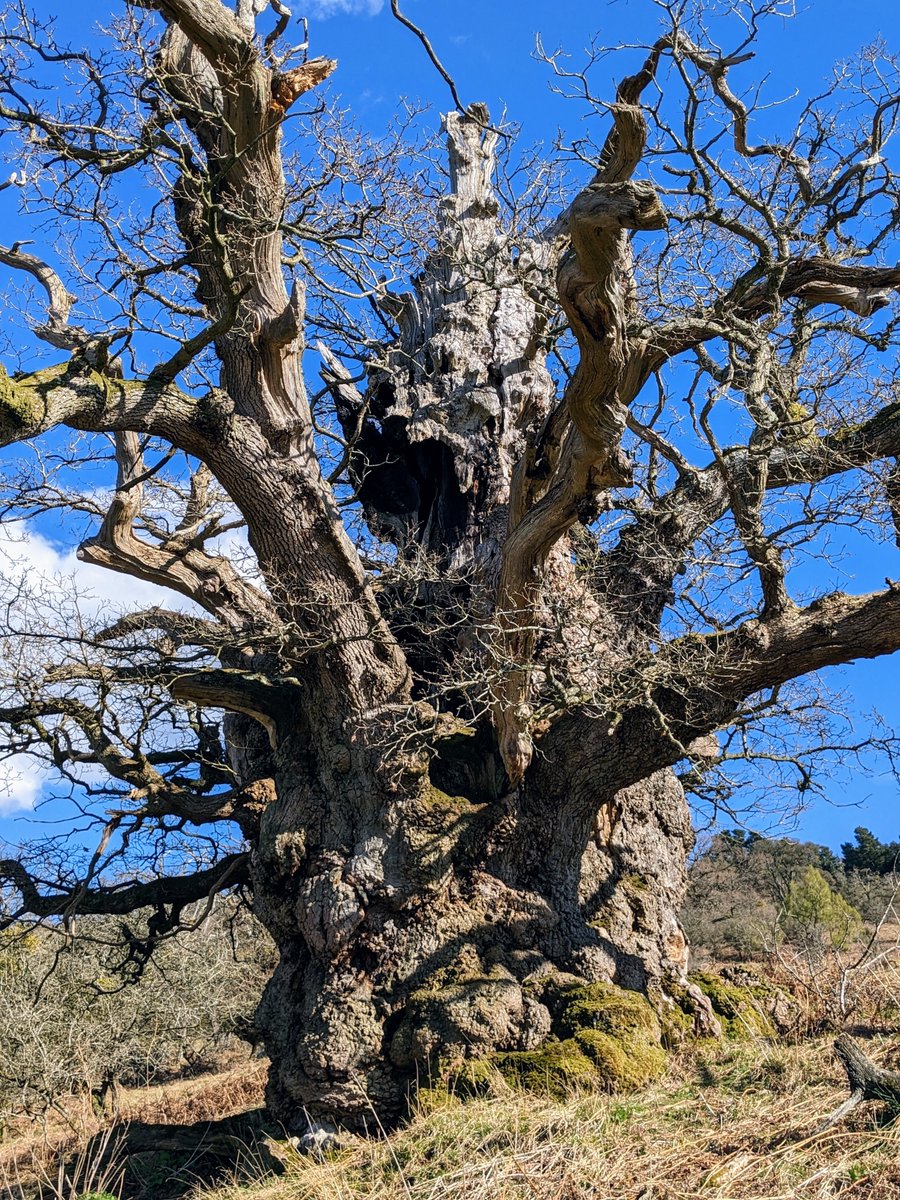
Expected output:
(75, 1022)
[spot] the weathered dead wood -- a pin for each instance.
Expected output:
(867, 1081)
(288, 86)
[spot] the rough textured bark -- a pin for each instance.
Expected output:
(428, 940)
(866, 1080)
(455, 778)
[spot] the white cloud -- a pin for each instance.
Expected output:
(48, 588)
(29, 558)
(21, 781)
(42, 581)
(323, 9)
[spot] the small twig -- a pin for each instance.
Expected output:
(839, 1113)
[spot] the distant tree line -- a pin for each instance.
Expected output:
(868, 854)
(746, 889)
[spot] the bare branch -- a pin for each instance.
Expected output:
(210, 581)
(269, 701)
(551, 493)
(429, 50)
(123, 898)
(60, 300)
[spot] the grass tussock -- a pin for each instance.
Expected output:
(731, 1124)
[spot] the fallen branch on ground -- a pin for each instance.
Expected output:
(867, 1081)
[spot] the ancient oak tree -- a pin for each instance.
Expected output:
(520, 478)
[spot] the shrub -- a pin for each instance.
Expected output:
(815, 913)
(74, 1020)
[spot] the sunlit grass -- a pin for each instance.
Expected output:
(735, 1122)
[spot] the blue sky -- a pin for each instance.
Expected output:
(488, 48)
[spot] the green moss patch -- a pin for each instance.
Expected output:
(604, 1038)
(626, 1016)
(621, 1064)
(738, 1007)
(676, 1023)
(21, 408)
(555, 1069)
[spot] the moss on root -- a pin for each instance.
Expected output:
(554, 1069)
(622, 1014)
(676, 1023)
(604, 1038)
(621, 1065)
(737, 1006)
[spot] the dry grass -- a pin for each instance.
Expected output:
(733, 1124)
(204, 1098)
(729, 1122)
(31, 1152)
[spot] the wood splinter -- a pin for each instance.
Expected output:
(287, 86)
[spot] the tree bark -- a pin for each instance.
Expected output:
(420, 929)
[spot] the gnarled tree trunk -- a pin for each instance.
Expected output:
(417, 928)
(417, 898)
